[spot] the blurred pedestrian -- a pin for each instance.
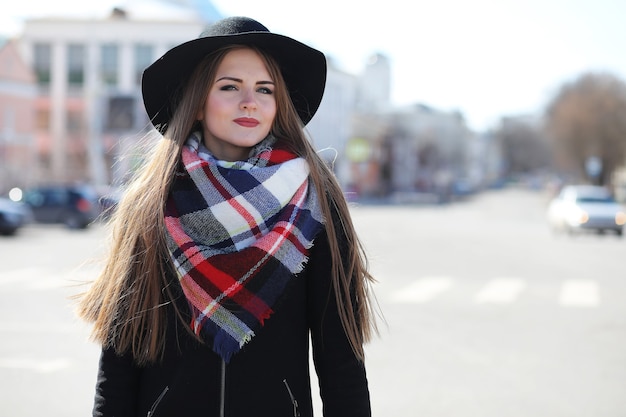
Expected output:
(233, 245)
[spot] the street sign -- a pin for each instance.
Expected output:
(593, 165)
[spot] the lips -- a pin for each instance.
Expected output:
(247, 122)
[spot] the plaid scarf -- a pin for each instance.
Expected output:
(237, 233)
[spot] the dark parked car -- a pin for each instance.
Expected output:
(109, 199)
(75, 206)
(13, 216)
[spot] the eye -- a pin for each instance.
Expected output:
(228, 87)
(265, 90)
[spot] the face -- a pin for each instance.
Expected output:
(240, 106)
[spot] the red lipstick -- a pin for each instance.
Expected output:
(247, 122)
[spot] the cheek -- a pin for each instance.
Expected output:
(215, 108)
(271, 109)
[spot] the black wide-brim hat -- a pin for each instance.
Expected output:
(303, 67)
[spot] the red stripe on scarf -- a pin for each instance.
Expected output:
(222, 279)
(277, 156)
(225, 277)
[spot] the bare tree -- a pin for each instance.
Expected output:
(524, 147)
(587, 121)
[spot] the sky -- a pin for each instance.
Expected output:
(484, 58)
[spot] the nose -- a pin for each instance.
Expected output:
(248, 102)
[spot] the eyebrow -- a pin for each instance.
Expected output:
(239, 80)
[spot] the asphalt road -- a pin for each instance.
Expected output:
(487, 314)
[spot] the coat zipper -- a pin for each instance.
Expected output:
(223, 391)
(158, 400)
(296, 410)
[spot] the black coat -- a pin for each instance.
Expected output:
(268, 377)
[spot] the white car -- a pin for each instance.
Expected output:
(586, 207)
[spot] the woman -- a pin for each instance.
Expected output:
(233, 245)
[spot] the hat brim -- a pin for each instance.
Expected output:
(303, 68)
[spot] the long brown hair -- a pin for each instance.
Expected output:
(124, 302)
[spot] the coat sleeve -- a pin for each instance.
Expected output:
(341, 375)
(117, 386)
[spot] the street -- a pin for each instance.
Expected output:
(486, 314)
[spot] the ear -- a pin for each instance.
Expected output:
(200, 115)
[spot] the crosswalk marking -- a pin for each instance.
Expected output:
(42, 279)
(423, 290)
(580, 293)
(500, 291)
(36, 365)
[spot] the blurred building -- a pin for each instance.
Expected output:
(88, 71)
(348, 123)
(381, 150)
(89, 115)
(331, 127)
(429, 147)
(17, 100)
(413, 153)
(374, 92)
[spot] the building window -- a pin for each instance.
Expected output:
(76, 64)
(121, 114)
(74, 121)
(43, 62)
(143, 58)
(109, 54)
(43, 119)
